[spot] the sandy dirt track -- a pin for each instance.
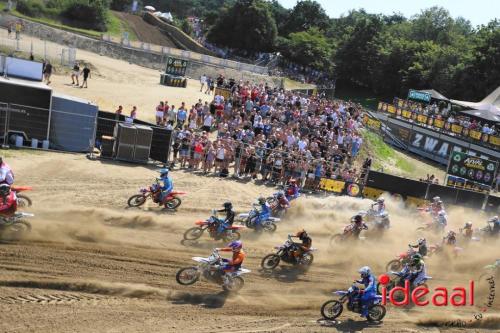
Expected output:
(90, 265)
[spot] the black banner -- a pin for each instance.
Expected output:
(474, 169)
(176, 66)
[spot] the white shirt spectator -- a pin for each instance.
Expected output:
(208, 120)
(302, 145)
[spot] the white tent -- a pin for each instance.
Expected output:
(490, 103)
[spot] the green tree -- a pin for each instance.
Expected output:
(308, 48)
(304, 15)
(248, 25)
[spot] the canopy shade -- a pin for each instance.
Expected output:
(490, 103)
(435, 94)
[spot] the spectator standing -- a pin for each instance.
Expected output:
(47, 71)
(133, 113)
(9, 31)
(207, 123)
(86, 75)
(119, 110)
(172, 114)
(203, 81)
(75, 74)
(160, 109)
(18, 27)
(181, 117)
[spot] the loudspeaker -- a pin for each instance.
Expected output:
(124, 152)
(141, 154)
(144, 136)
(107, 146)
(126, 133)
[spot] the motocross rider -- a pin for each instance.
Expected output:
(8, 201)
(229, 220)
(435, 206)
(421, 245)
(467, 231)
(283, 202)
(450, 238)
(168, 184)
(441, 219)
(6, 174)
(299, 249)
(370, 291)
(234, 264)
(292, 191)
(379, 206)
(495, 225)
(265, 211)
(358, 225)
(414, 271)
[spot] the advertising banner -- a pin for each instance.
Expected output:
(419, 96)
(176, 66)
(472, 168)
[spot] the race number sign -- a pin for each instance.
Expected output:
(475, 169)
(176, 66)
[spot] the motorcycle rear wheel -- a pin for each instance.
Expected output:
(335, 239)
(236, 284)
(136, 200)
(376, 312)
(232, 236)
(270, 262)
(23, 201)
(393, 265)
(173, 203)
(193, 233)
(16, 230)
(331, 309)
(187, 276)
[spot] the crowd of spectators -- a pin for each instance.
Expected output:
(443, 112)
(259, 132)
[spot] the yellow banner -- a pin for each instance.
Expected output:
(331, 185)
(495, 140)
(372, 193)
(438, 123)
(391, 109)
(223, 92)
(456, 128)
(373, 123)
(406, 114)
(475, 134)
(422, 119)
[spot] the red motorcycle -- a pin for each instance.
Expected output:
(350, 232)
(229, 234)
(22, 200)
(172, 201)
(401, 260)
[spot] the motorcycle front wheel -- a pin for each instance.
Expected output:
(173, 203)
(232, 236)
(187, 276)
(335, 239)
(193, 233)
(306, 260)
(271, 227)
(235, 285)
(136, 200)
(270, 262)
(331, 309)
(393, 265)
(16, 230)
(376, 312)
(23, 201)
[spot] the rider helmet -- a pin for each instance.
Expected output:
(4, 190)
(280, 194)
(451, 233)
(365, 271)
(436, 199)
(163, 172)
(292, 181)
(380, 200)
(358, 218)
(235, 245)
(415, 259)
(301, 234)
(468, 224)
(421, 241)
(228, 205)
(261, 200)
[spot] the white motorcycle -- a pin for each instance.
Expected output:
(210, 269)
(14, 227)
(379, 221)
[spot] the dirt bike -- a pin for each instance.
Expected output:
(398, 280)
(15, 226)
(486, 233)
(379, 221)
(172, 201)
(330, 310)
(251, 221)
(22, 200)
(229, 234)
(402, 259)
(210, 269)
(442, 249)
(491, 271)
(285, 253)
(348, 234)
